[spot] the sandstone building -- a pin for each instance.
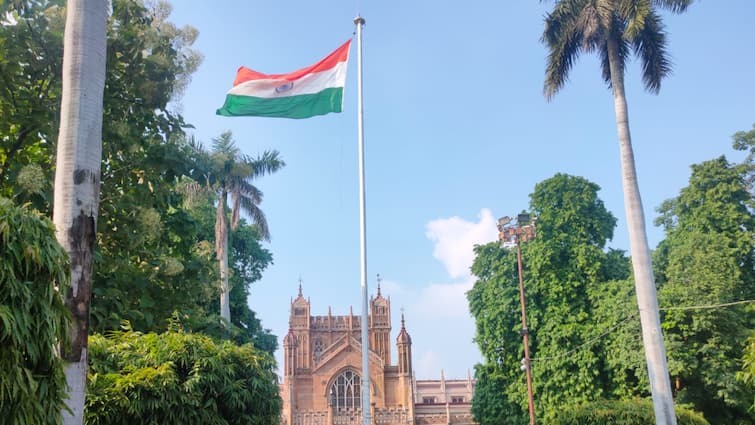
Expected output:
(323, 365)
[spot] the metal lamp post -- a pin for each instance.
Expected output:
(522, 231)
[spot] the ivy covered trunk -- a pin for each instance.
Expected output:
(77, 178)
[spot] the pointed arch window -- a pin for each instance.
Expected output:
(345, 393)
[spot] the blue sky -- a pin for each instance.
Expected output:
(457, 133)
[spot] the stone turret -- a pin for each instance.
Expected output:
(404, 345)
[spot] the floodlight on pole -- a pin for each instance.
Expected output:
(522, 231)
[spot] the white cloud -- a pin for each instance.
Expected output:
(455, 239)
(444, 300)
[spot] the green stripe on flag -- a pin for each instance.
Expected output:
(301, 106)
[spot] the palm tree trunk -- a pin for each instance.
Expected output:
(221, 248)
(77, 178)
(652, 337)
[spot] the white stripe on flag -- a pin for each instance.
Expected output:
(308, 84)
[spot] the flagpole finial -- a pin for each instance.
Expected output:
(359, 20)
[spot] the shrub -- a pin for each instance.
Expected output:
(621, 412)
(33, 317)
(179, 378)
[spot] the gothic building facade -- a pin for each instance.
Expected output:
(323, 366)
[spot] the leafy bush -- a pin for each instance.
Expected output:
(621, 412)
(179, 378)
(33, 317)
(747, 374)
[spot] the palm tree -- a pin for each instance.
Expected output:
(614, 28)
(232, 173)
(77, 178)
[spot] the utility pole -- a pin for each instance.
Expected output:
(522, 231)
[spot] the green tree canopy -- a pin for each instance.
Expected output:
(562, 266)
(31, 51)
(154, 252)
(708, 259)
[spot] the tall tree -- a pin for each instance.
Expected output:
(708, 258)
(154, 250)
(563, 265)
(232, 173)
(612, 28)
(77, 178)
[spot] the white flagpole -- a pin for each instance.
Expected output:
(359, 22)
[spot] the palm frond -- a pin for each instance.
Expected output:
(592, 28)
(268, 162)
(650, 46)
(607, 11)
(564, 39)
(633, 14)
(674, 6)
(575, 26)
(248, 190)
(224, 144)
(241, 194)
(196, 145)
(257, 216)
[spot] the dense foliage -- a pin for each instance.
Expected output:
(31, 52)
(563, 265)
(154, 257)
(584, 325)
(33, 269)
(621, 412)
(154, 252)
(747, 375)
(708, 258)
(179, 378)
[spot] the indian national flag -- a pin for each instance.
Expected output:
(310, 91)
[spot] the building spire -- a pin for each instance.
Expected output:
(378, 284)
(300, 281)
(403, 328)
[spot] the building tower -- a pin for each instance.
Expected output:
(406, 376)
(380, 325)
(404, 345)
(299, 324)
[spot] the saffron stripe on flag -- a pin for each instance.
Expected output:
(314, 90)
(308, 84)
(339, 55)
